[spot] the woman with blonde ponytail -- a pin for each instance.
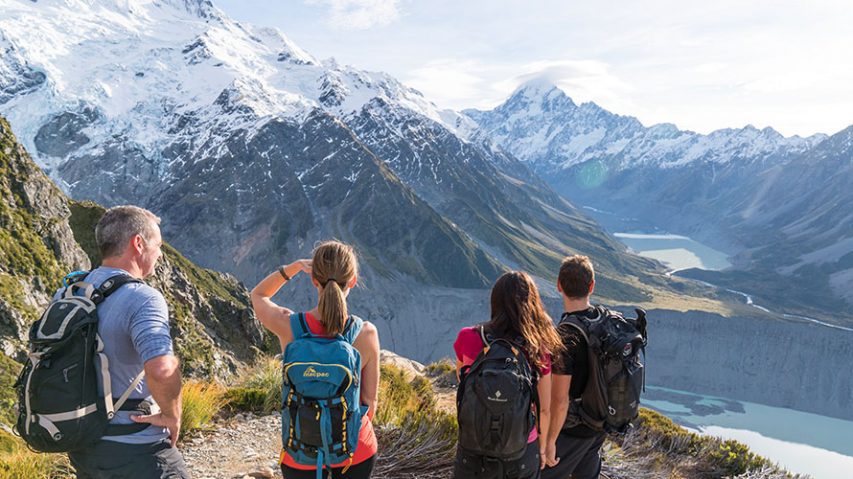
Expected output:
(334, 272)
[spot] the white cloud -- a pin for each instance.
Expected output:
(359, 14)
(583, 80)
(471, 83)
(454, 83)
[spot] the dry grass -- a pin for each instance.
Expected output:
(200, 402)
(18, 462)
(416, 439)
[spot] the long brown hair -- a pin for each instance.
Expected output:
(334, 266)
(517, 311)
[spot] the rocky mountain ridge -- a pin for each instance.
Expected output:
(44, 235)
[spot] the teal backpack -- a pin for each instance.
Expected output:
(321, 408)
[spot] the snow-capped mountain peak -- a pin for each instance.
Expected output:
(132, 60)
(540, 124)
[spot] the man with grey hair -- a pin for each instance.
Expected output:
(134, 325)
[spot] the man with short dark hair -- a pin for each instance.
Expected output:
(572, 449)
(134, 325)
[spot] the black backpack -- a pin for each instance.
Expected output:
(611, 399)
(59, 407)
(494, 399)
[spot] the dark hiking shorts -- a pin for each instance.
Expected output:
(115, 460)
(362, 470)
(478, 467)
(579, 458)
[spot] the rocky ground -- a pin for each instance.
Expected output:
(235, 448)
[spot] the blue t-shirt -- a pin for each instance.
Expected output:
(134, 326)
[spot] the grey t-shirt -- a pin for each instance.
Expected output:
(134, 326)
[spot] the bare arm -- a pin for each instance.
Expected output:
(544, 414)
(274, 317)
(367, 344)
(560, 385)
(559, 404)
(163, 375)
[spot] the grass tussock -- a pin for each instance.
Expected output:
(440, 368)
(415, 438)
(442, 373)
(200, 402)
(18, 462)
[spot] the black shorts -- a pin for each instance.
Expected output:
(115, 460)
(362, 470)
(579, 457)
(479, 467)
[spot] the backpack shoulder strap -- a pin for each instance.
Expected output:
(352, 329)
(577, 323)
(482, 330)
(299, 327)
(111, 285)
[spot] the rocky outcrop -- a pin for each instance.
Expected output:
(37, 245)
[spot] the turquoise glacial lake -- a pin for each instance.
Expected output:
(801, 442)
(676, 251)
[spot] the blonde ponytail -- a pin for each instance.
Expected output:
(334, 267)
(333, 308)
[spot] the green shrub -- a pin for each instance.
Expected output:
(8, 374)
(200, 402)
(440, 368)
(734, 458)
(659, 429)
(657, 434)
(246, 399)
(265, 378)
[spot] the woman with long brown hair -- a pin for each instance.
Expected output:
(334, 272)
(518, 340)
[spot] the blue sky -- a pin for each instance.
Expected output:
(701, 65)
